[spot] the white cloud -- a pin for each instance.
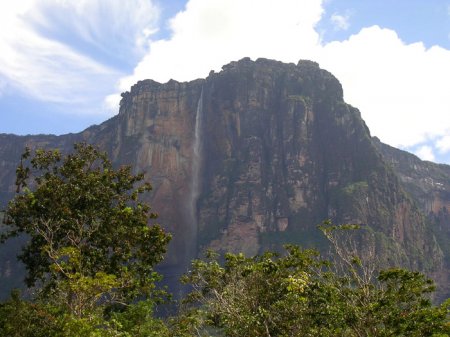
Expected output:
(401, 89)
(425, 153)
(443, 144)
(340, 22)
(3, 85)
(209, 34)
(111, 102)
(39, 40)
(116, 27)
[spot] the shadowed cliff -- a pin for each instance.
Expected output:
(256, 156)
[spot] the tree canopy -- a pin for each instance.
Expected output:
(90, 241)
(299, 293)
(91, 255)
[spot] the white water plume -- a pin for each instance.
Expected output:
(196, 168)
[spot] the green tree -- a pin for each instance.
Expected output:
(19, 318)
(266, 295)
(91, 249)
(300, 294)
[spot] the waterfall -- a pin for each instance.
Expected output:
(196, 171)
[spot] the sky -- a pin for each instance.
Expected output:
(64, 63)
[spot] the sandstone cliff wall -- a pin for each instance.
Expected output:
(279, 152)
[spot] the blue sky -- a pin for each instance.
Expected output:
(64, 63)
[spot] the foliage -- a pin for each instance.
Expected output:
(90, 245)
(25, 319)
(255, 296)
(21, 318)
(91, 255)
(298, 294)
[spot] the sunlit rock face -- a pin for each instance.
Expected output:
(256, 156)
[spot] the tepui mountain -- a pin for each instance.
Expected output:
(257, 156)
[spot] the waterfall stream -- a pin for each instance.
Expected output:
(196, 170)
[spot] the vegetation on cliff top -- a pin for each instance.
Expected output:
(91, 255)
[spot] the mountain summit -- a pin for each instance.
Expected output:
(256, 156)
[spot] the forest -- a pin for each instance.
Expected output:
(94, 245)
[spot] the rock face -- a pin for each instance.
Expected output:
(259, 154)
(429, 186)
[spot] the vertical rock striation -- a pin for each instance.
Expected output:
(256, 156)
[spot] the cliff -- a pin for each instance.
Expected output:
(256, 156)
